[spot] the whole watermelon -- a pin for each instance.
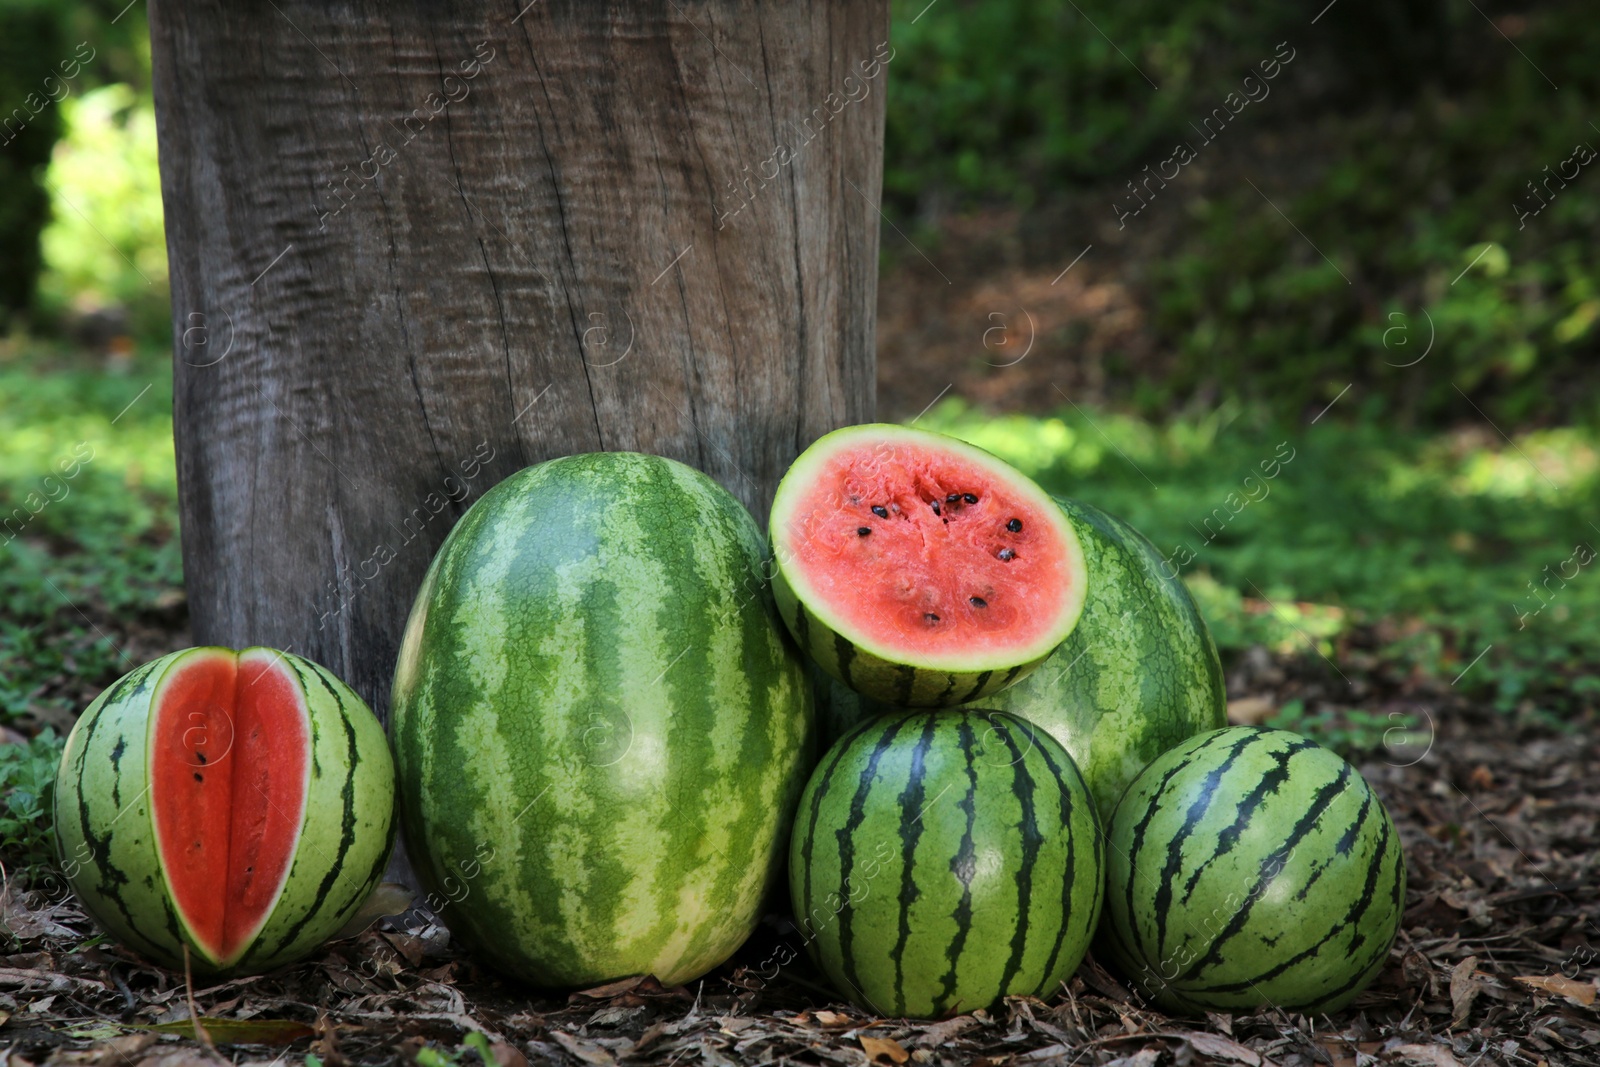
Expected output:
(599, 727)
(1250, 868)
(942, 860)
(1139, 674)
(234, 806)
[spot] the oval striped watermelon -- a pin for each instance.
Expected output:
(239, 804)
(1138, 675)
(944, 859)
(1250, 868)
(919, 570)
(594, 690)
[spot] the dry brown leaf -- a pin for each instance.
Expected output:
(25, 923)
(179, 1057)
(582, 1049)
(1145, 1057)
(408, 946)
(117, 1052)
(939, 1033)
(46, 981)
(832, 1018)
(656, 1032)
(609, 990)
(507, 1055)
(1464, 989)
(1222, 1048)
(1578, 992)
(881, 1048)
(1339, 1054)
(1429, 1055)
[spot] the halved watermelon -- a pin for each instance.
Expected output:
(919, 570)
(237, 803)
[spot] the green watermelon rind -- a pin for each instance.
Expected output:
(868, 666)
(1138, 675)
(883, 858)
(600, 727)
(1212, 845)
(106, 842)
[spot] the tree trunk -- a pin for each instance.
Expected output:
(417, 246)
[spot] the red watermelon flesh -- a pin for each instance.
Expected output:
(230, 766)
(924, 551)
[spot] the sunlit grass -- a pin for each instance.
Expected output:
(1290, 535)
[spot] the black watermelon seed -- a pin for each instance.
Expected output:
(953, 498)
(978, 601)
(880, 511)
(1015, 525)
(971, 498)
(201, 756)
(197, 777)
(936, 507)
(931, 617)
(1006, 554)
(862, 531)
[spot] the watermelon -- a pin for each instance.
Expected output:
(237, 805)
(942, 860)
(600, 729)
(918, 570)
(1251, 868)
(1138, 674)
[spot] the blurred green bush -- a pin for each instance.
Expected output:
(1449, 542)
(1399, 142)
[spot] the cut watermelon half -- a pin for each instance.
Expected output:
(230, 770)
(919, 570)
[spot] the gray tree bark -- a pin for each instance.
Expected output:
(417, 246)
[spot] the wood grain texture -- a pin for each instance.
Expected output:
(416, 246)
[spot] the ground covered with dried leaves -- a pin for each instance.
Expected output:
(1496, 964)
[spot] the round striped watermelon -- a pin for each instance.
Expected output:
(235, 804)
(942, 860)
(599, 727)
(919, 570)
(1251, 868)
(1137, 676)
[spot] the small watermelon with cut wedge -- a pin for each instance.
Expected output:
(234, 807)
(921, 571)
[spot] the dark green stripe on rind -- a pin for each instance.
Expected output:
(1030, 840)
(934, 926)
(912, 800)
(1292, 878)
(1069, 784)
(964, 867)
(845, 837)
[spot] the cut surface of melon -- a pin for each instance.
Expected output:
(927, 550)
(230, 770)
